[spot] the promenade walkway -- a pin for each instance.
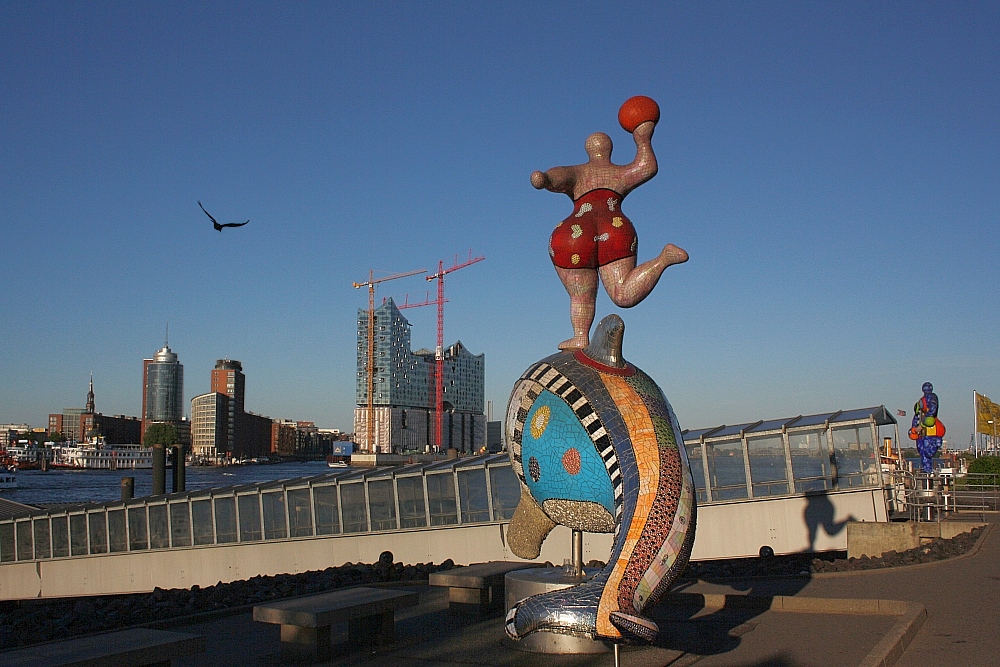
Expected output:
(961, 597)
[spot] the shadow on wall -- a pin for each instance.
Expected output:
(819, 512)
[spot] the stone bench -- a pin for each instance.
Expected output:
(138, 647)
(478, 587)
(305, 621)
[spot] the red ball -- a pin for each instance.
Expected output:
(636, 111)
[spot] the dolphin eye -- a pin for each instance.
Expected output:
(533, 469)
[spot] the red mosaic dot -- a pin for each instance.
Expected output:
(571, 461)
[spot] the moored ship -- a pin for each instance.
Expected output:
(102, 456)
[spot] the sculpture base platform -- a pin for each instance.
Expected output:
(525, 583)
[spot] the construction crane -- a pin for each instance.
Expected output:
(439, 350)
(370, 366)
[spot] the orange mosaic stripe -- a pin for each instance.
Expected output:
(647, 456)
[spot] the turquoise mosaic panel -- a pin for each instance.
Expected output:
(559, 458)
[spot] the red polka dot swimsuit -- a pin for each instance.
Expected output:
(597, 233)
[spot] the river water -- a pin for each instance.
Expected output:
(98, 486)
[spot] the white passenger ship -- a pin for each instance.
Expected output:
(101, 456)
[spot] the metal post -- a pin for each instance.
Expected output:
(180, 470)
(128, 488)
(577, 553)
(618, 662)
(159, 470)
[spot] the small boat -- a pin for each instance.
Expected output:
(337, 464)
(8, 478)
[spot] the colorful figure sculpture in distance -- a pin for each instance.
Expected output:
(597, 242)
(926, 428)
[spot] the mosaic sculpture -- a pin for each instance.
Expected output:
(597, 242)
(926, 428)
(597, 448)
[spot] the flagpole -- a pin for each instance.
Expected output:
(975, 424)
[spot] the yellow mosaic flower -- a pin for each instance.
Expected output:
(617, 222)
(575, 259)
(540, 421)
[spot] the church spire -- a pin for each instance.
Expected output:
(90, 397)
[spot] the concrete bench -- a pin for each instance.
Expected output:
(138, 647)
(305, 621)
(478, 587)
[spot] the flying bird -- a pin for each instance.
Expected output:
(219, 226)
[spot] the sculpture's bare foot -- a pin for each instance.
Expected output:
(575, 343)
(671, 255)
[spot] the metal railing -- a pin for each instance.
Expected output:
(351, 501)
(935, 496)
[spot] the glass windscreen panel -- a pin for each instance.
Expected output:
(225, 519)
(352, 496)
(697, 465)
(726, 469)
(300, 522)
(273, 503)
(441, 499)
(472, 493)
(810, 461)
(78, 534)
(201, 521)
(138, 539)
(506, 492)
(180, 525)
(60, 536)
(412, 511)
(98, 524)
(117, 532)
(768, 473)
(7, 549)
(248, 507)
(43, 544)
(25, 544)
(857, 465)
(382, 504)
(159, 527)
(327, 510)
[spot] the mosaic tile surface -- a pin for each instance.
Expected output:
(589, 439)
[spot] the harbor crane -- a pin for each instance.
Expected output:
(370, 365)
(439, 350)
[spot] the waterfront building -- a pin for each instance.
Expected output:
(228, 379)
(220, 426)
(209, 425)
(404, 390)
(162, 389)
(10, 432)
(82, 424)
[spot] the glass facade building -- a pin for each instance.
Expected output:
(164, 389)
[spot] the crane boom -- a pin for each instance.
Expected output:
(370, 369)
(439, 350)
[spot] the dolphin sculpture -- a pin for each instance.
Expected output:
(597, 448)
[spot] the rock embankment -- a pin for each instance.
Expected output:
(34, 621)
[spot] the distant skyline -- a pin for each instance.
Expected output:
(831, 168)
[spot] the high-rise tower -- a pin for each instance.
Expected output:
(162, 389)
(228, 379)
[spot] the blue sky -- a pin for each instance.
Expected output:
(831, 168)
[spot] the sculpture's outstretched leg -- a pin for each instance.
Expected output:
(581, 284)
(628, 284)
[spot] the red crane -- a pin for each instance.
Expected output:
(439, 350)
(370, 367)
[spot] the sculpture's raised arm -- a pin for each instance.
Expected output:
(644, 166)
